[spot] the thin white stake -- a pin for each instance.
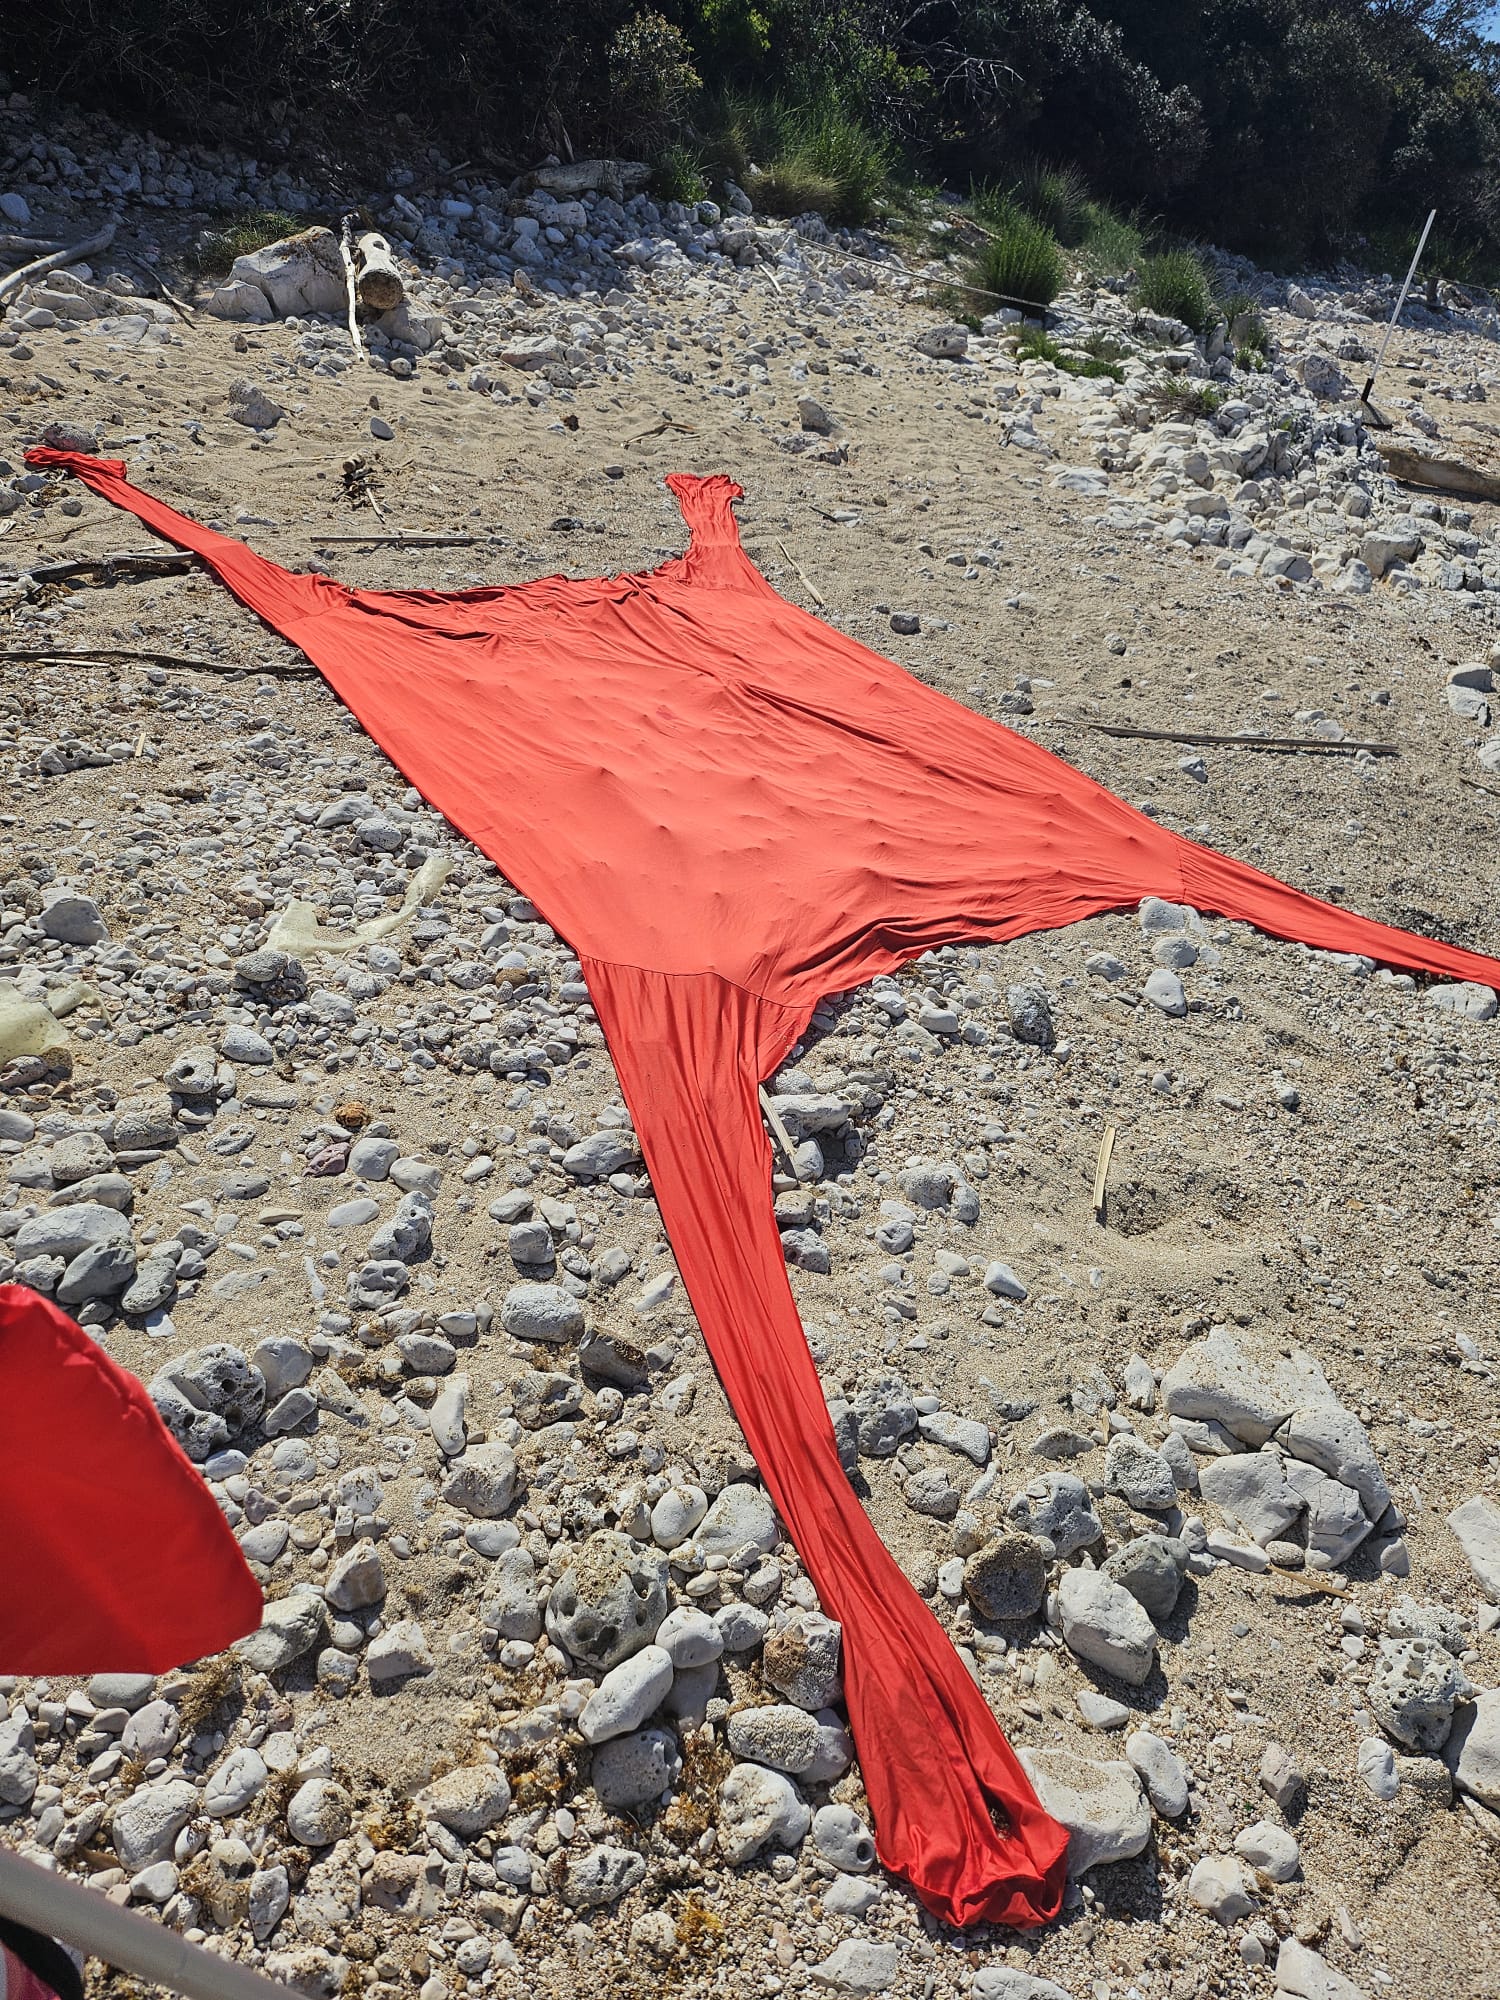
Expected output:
(59, 1907)
(1380, 357)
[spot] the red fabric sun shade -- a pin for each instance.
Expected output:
(730, 809)
(114, 1556)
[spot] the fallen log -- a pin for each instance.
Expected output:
(377, 279)
(1443, 475)
(12, 245)
(616, 178)
(73, 254)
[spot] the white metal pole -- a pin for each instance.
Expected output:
(64, 1909)
(1385, 343)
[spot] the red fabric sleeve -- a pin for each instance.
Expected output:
(114, 1556)
(954, 1812)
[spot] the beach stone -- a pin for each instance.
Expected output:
(1218, 1885)
(20, 1773)
(1141, 1477)
(290, 1626)
(802, 1660)
(1253, 1490)
(758, 1808)
(510, 1606)
(148, 1822)
(1477, 1526)
(1270, 1850)
(628, 1693)
(1335, 1441)
(1101, 1805)
(884, 1415)
(400, 1652)
(1375, 1765)
(602, 1154)
(481, 1480)
(689, 1637)
(1008, 1982)
(542, 1312)
(468, 1801)
(71, 917)
(356, 1580)
(1104, 1624)
(1472, 1752)
(676, 1515)
(740, 1518)
(1301, 1974)
(609, 1601)
(1160, 1770)
(842, 1837)
(780, 1735)
(234, 1784)
(601, 1877)
(631, 1770)
(1057, 1508)
(1151, 1568)
(318, 1813)
(1412, 1692)
(1007, 1578)
(858, 1965)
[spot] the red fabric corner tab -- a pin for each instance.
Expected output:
(711, 795)
(114, 1556)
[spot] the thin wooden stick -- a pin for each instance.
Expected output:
(1318, 743)
(73, 254)
(783, 1137)
(128, 559)
(1101, 1170)
(399, 541)
(1475, 786)
(179, 306)
(28, 246)
(808, 585)
(106, 656)
(351, 289)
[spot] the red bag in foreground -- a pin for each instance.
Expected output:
(730, 809)
(114, 1556)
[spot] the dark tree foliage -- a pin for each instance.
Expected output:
(1278, 125)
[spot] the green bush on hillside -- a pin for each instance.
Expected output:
(1175, 285)
(1022, 265)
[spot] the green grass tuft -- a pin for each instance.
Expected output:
(1057, 198)
(216, 249)
(1022, 264)
(1176, 286)
(678, 176)
(791, 158)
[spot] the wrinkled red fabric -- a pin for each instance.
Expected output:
(114, 1556)
(730, 809)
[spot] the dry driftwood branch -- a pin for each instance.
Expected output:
(398, 541)
(73, 254)
(807, 584)
(179, 306)
(106, 656)
(1101, 1171)
(377, 278)
(783, 1137)
(1319, 744)
(174, 559)
(1444, 475)
(350, 291)
(12, 245)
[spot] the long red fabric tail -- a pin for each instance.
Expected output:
(689, 1049)
(114, 1556)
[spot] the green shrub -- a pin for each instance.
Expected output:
(1057, 198)
(1112, 244)
(1247, 329)
(217, 248)
(1022, 265)
(793, 157)
(1175, 285)
(678, 176)
(1035, 345)
(1100, 355)
(1251, 359)
(651, 78)
(1182, 396)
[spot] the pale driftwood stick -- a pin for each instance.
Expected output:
(377, 278)
(1318, 743)
(73, 254)
(807, 584)
(179, 306)
(27, 246)
(1101, 1171)
(399, 541)
(783, 1137)
(48, 1901)
(105, 656)
(349, 288)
